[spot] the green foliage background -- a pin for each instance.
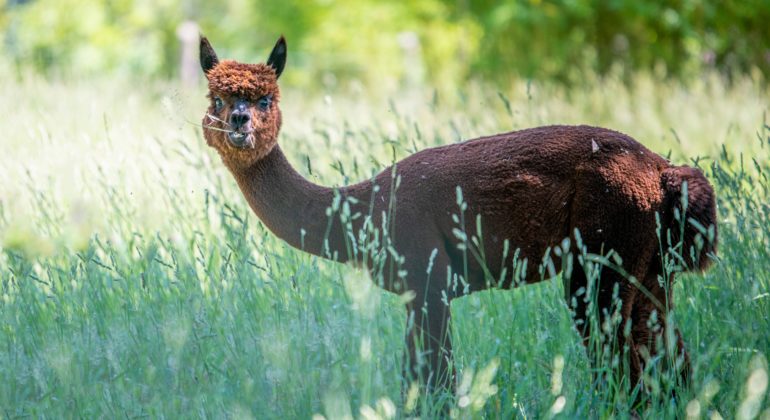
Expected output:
(333, 40)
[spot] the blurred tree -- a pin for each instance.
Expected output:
(381, 43)
(561, 38)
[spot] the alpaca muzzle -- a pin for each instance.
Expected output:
(240, 123)
(241, 139)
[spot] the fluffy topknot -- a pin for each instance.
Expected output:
(247, 81)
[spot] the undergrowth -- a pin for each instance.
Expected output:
(135, 281)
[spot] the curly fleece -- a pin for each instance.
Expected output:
(247, 81)
(230, 80)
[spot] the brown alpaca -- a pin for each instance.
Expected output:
(529, 190)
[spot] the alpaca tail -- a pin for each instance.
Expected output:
(690, 220)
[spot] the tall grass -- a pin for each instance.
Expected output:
(136, 282)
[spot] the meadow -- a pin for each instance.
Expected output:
(137, 283)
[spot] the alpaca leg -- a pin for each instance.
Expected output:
(677, 353)
(601, 314)
(653, 335)
(429, 346)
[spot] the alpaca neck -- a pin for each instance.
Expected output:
(293, 208)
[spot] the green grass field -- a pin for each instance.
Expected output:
(137, 283)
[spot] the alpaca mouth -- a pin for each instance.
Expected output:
(240, 139)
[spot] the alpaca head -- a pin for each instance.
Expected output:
(243, 118)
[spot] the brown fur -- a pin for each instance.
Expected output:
(230, 80)
(700, 207)
(249, 81)
(531, 188)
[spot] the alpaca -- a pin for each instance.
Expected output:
(531, 190)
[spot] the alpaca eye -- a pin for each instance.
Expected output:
(264, 102)
(218, 103)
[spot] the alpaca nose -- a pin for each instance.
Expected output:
(240, 115)
(238, 119)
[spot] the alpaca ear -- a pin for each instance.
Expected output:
(207, 55)
(277, 58)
